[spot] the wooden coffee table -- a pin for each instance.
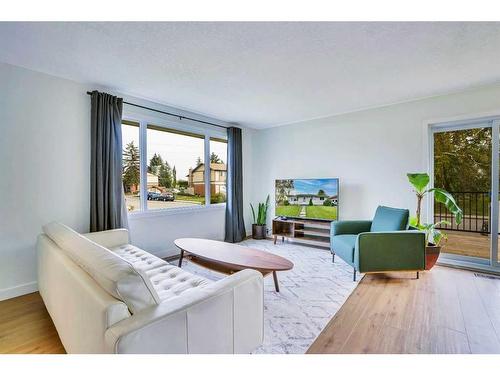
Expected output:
(229, 258)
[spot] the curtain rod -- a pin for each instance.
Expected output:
(180, 117)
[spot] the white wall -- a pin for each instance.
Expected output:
(156, 233)
(45, 162)
(370, 151)
(44, 169)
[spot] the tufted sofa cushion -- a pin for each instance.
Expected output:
(169, 281)
(139, 258)
(114, 274)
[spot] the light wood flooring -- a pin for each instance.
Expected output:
(445, 311)
(26, 327)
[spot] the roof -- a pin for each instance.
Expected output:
(218, 166)
(214, 166)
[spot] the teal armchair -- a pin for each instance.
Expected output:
(379, 245)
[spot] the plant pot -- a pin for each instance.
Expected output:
(431, 256)
(259, 232)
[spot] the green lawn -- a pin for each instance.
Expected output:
(292, 211)
(322, 212)
(190, 198)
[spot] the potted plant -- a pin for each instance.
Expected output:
(433, 236)
(259, 221)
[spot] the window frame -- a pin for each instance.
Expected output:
(220, 140)
(184, 126)
(135, 124)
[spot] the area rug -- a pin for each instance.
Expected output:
(310, 295)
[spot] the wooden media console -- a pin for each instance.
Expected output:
(307, 231)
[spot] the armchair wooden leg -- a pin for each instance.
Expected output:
(418, 275)
(333, 257)
(354, 275)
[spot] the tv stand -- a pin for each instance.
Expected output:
(306, 231)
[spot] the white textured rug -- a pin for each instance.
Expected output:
(310, 295)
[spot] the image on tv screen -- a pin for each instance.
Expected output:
(308, 198)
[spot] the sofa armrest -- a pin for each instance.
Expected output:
(224, 317)
(390, 251)
(109, 238)
(350, 227)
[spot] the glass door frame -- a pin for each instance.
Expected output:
(492, 122)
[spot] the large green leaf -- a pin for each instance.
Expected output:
(261, 220)
(435, 236)
(442, 222)
(253, 214)
(262, 208)
(413, 222)
(442, 196)
(419, 181)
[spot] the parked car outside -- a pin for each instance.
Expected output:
(166, 197)
(153, 196)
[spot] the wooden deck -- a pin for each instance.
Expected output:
(469, 244)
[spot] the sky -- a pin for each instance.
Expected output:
(312, 186)
(179, 150)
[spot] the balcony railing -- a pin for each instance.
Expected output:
(476, 210)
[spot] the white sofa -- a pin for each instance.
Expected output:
(108, 296)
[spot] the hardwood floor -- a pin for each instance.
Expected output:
(26, 327)
(446, 311)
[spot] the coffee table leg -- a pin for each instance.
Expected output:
(180, 259)
(276, 285)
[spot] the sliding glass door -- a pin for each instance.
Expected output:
(465, 162)
(495, 211)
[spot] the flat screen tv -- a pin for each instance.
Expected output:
(313, 198)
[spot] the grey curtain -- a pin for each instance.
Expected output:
(235, 226)
(107, 205)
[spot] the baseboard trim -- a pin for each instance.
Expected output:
(18, 290)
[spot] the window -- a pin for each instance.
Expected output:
(131, 165)
(176, 173)
(218, 170)
(164, 165)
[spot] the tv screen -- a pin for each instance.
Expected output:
(314, 198)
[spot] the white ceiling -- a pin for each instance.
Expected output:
(263, 74)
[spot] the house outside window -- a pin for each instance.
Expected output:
(218, 170)
(169, 159)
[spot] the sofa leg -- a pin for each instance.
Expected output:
(418, 275)
(354, 275)
(333, 257)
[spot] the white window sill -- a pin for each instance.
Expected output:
(175, 211)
